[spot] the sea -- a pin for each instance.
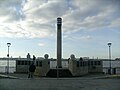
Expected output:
(3, 66)
(12, 65)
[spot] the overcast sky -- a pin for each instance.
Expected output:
(88, 25)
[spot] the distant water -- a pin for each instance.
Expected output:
(3, 66)
(53, 64)
(12, 65)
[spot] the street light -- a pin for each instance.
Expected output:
(109, 45)
(8, 44)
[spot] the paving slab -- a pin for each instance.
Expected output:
(60, 84)
(92, 82)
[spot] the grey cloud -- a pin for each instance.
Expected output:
(11, 32)
(90, 15)
(11, 9)
(37, 18)
(77, 38)
(8, 3)
(115, 23)
(48, 10)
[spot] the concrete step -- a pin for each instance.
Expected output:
(61, 73)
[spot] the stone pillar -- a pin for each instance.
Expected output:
(59, 42)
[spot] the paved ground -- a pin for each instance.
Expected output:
(60, 84)
(78, 83)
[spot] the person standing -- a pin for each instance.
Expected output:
(32, 68)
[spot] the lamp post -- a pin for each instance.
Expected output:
(109, 45)
(8, 44)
